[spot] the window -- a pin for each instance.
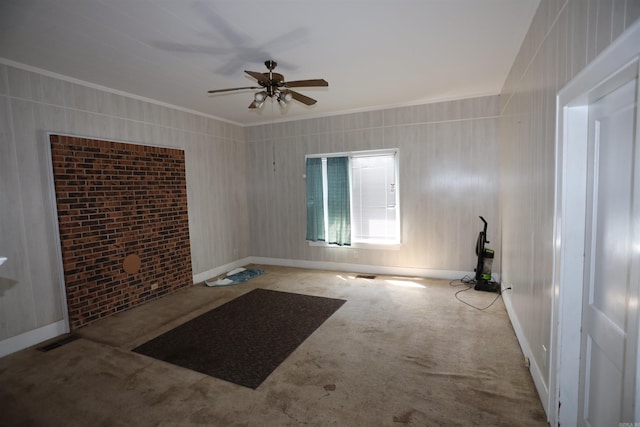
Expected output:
(353, 198)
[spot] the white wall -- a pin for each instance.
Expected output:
(448, 164)
(564, 37)
(449, 175)
(32, 103)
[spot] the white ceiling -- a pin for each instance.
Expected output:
(373, 53)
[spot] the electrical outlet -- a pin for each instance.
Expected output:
(154, 286)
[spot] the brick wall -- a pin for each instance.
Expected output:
(115, 200)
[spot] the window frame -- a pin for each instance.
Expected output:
(395, 245)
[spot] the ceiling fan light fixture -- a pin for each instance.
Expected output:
(285, 96)
(260, 97)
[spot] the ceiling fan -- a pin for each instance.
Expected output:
(274, 86)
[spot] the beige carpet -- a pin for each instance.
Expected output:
(400, 351)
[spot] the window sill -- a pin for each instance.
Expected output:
(360, 245)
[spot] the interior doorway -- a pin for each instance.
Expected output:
(597, 235)
(609, 315)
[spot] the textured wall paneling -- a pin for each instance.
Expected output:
(34, 102)
(449, 174)
(564, 36)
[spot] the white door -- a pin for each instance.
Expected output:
(609, 322)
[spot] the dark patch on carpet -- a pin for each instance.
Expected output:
(246, 339)
(404, 418)
(58, 343)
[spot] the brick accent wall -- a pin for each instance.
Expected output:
(116, 200)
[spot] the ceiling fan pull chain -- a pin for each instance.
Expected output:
(273, 142)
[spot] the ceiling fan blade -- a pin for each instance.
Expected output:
(232, 89)
(261, 78)
(302, 98)
(307, 83)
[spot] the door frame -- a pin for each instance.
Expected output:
(615, 65)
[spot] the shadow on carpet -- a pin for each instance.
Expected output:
(246, 339)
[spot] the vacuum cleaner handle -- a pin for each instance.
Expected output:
(485, 230)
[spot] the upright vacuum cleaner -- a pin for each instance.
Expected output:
(485, 261)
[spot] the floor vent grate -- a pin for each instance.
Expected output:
(58, 343)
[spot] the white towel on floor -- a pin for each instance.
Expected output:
(236, 271)
(219, 282)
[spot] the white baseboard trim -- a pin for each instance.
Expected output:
(36, 336)
(201, 277)
(363, 268)
(534, 369)
(33, 337)
(44, 333)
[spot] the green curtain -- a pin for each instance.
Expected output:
(338, 199)
(315, 201)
